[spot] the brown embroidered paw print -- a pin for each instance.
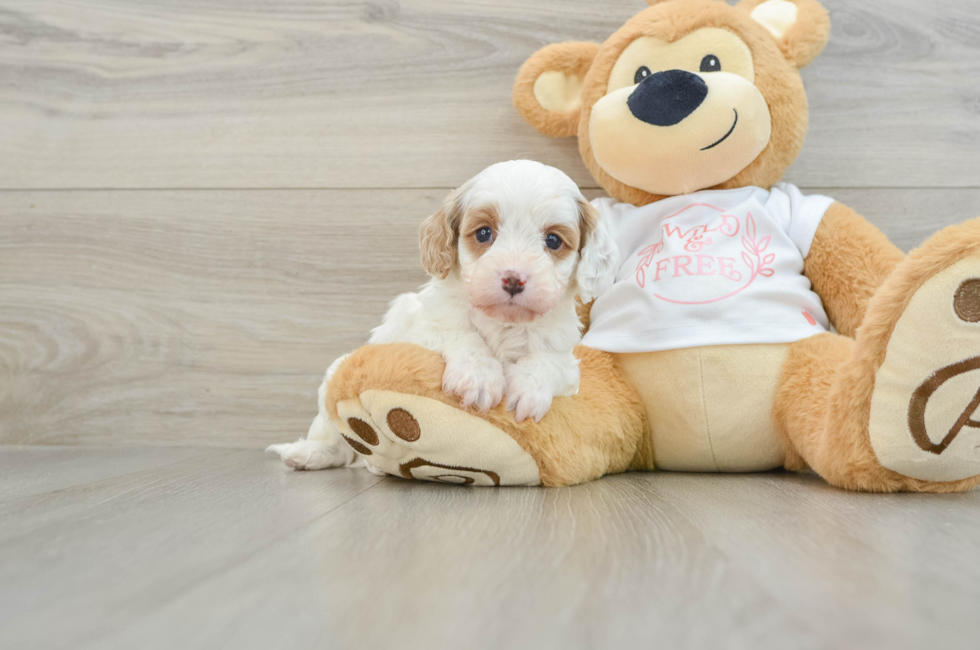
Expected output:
(419, 438)
(923, 420)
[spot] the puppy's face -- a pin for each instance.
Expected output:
(521, 237)
(517, 254)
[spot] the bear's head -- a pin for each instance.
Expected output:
(687, 95)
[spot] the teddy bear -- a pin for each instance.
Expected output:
(750, 327)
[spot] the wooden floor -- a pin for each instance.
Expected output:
(206, 548)
(203, 202)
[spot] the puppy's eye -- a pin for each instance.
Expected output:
(553, 241)
(641, 74)
(710, 63)
(484, 235)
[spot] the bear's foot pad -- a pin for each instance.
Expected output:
(925, 409)
(421, 438)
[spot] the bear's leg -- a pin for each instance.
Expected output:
(897, 408)
(388, 402)
(808, 410)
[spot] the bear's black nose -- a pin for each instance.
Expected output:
(666, 98)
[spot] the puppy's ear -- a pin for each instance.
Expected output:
(439, 237)
(598, 255)
(548, 89)
(800, 27)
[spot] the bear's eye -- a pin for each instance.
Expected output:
(484, 234)
(553, 241)
(641, 74)
(710, 63)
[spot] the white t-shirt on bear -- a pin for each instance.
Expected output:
(710, 268)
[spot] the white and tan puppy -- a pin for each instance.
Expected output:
(508, 253)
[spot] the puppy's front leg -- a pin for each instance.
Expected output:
(473, 373)
(535, 380)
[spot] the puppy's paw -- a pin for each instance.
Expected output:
(477, 379)
(313, 455)
(527, 396)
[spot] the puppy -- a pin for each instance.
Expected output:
(508, 253)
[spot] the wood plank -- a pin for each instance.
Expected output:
(580, 568)
(689, 560)
(123, 94)
(208, 317)
(94, 556)
(867, 570)
(909, 217)
(191, 558)
(29, 470)
(190, 316)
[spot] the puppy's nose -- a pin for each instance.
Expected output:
(513, 283)
(668, 97)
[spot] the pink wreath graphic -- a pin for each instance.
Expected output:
(759, 265)
(753, 254)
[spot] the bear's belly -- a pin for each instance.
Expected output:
(709, 408)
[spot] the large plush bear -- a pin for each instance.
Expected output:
(713, 351)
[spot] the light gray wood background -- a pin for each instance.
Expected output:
(203, 202)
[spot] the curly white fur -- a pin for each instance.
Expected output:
(496, 343)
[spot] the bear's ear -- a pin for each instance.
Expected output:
(548, 89)
(800, 27)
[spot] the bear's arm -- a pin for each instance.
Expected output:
(848, 260)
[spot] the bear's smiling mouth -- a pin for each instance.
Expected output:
(730, 131)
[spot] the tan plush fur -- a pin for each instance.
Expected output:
(709, 408)
(825, 386)
(806, 39)
(776, 77)
(570, 58)
(849, 260)
(800, 406)
(825, 398)
(579, 440)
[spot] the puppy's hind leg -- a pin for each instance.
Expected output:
(323, 447)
